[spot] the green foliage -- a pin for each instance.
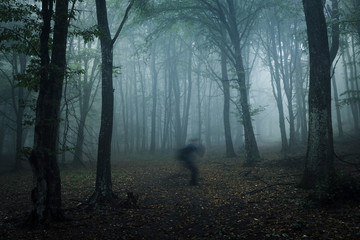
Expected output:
(338, 189)
(88, 34)
(19, 27)
(31, 78)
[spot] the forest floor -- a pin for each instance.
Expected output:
(230, 202)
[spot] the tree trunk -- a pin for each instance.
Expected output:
(174, 78)
(20, 115)
(46, 194)
(154, 74)
(187, 99)
(103, 187)
(277, 92)
(85, 106)
(167, 103)
(337, 107)
(349, 88)
(208, 118)
(251, 148)
(226, 112)
(319, 165)
(136, 103)
(335, 39)
(143, 102)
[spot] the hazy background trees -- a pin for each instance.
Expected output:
(233, 73)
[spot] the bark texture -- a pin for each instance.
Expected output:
(319, 167)
(46, 194)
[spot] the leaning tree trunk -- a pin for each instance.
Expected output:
(319, 166)
(251, 148)
(46, 194)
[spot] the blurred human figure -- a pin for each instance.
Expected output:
(188, 155)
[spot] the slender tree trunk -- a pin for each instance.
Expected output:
(337, 108)
(350, 86)
(226, 112)
(277, 91)
(355, 80)
(46, 194)
(137, 121)
(208, 118)
(20, 116)
(167, 103)
(85, 106)
(177, 98)
(301, 101)
(143, 102)
(103, 187)
(319, 166)
(286, 52)
(199, 103)
(2, 134)
(154, 74)
(187, 99)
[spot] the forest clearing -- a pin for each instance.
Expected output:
(168, 119)
(230, 202)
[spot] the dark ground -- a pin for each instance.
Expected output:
(230, 202)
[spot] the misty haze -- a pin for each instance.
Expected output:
(202, 119)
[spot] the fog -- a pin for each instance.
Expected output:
(168, 84)
(179, 119)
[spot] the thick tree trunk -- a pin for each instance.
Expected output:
(319, 166)
(226, 112)
(46, 194)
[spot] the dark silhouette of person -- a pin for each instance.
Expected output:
(188, 155)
